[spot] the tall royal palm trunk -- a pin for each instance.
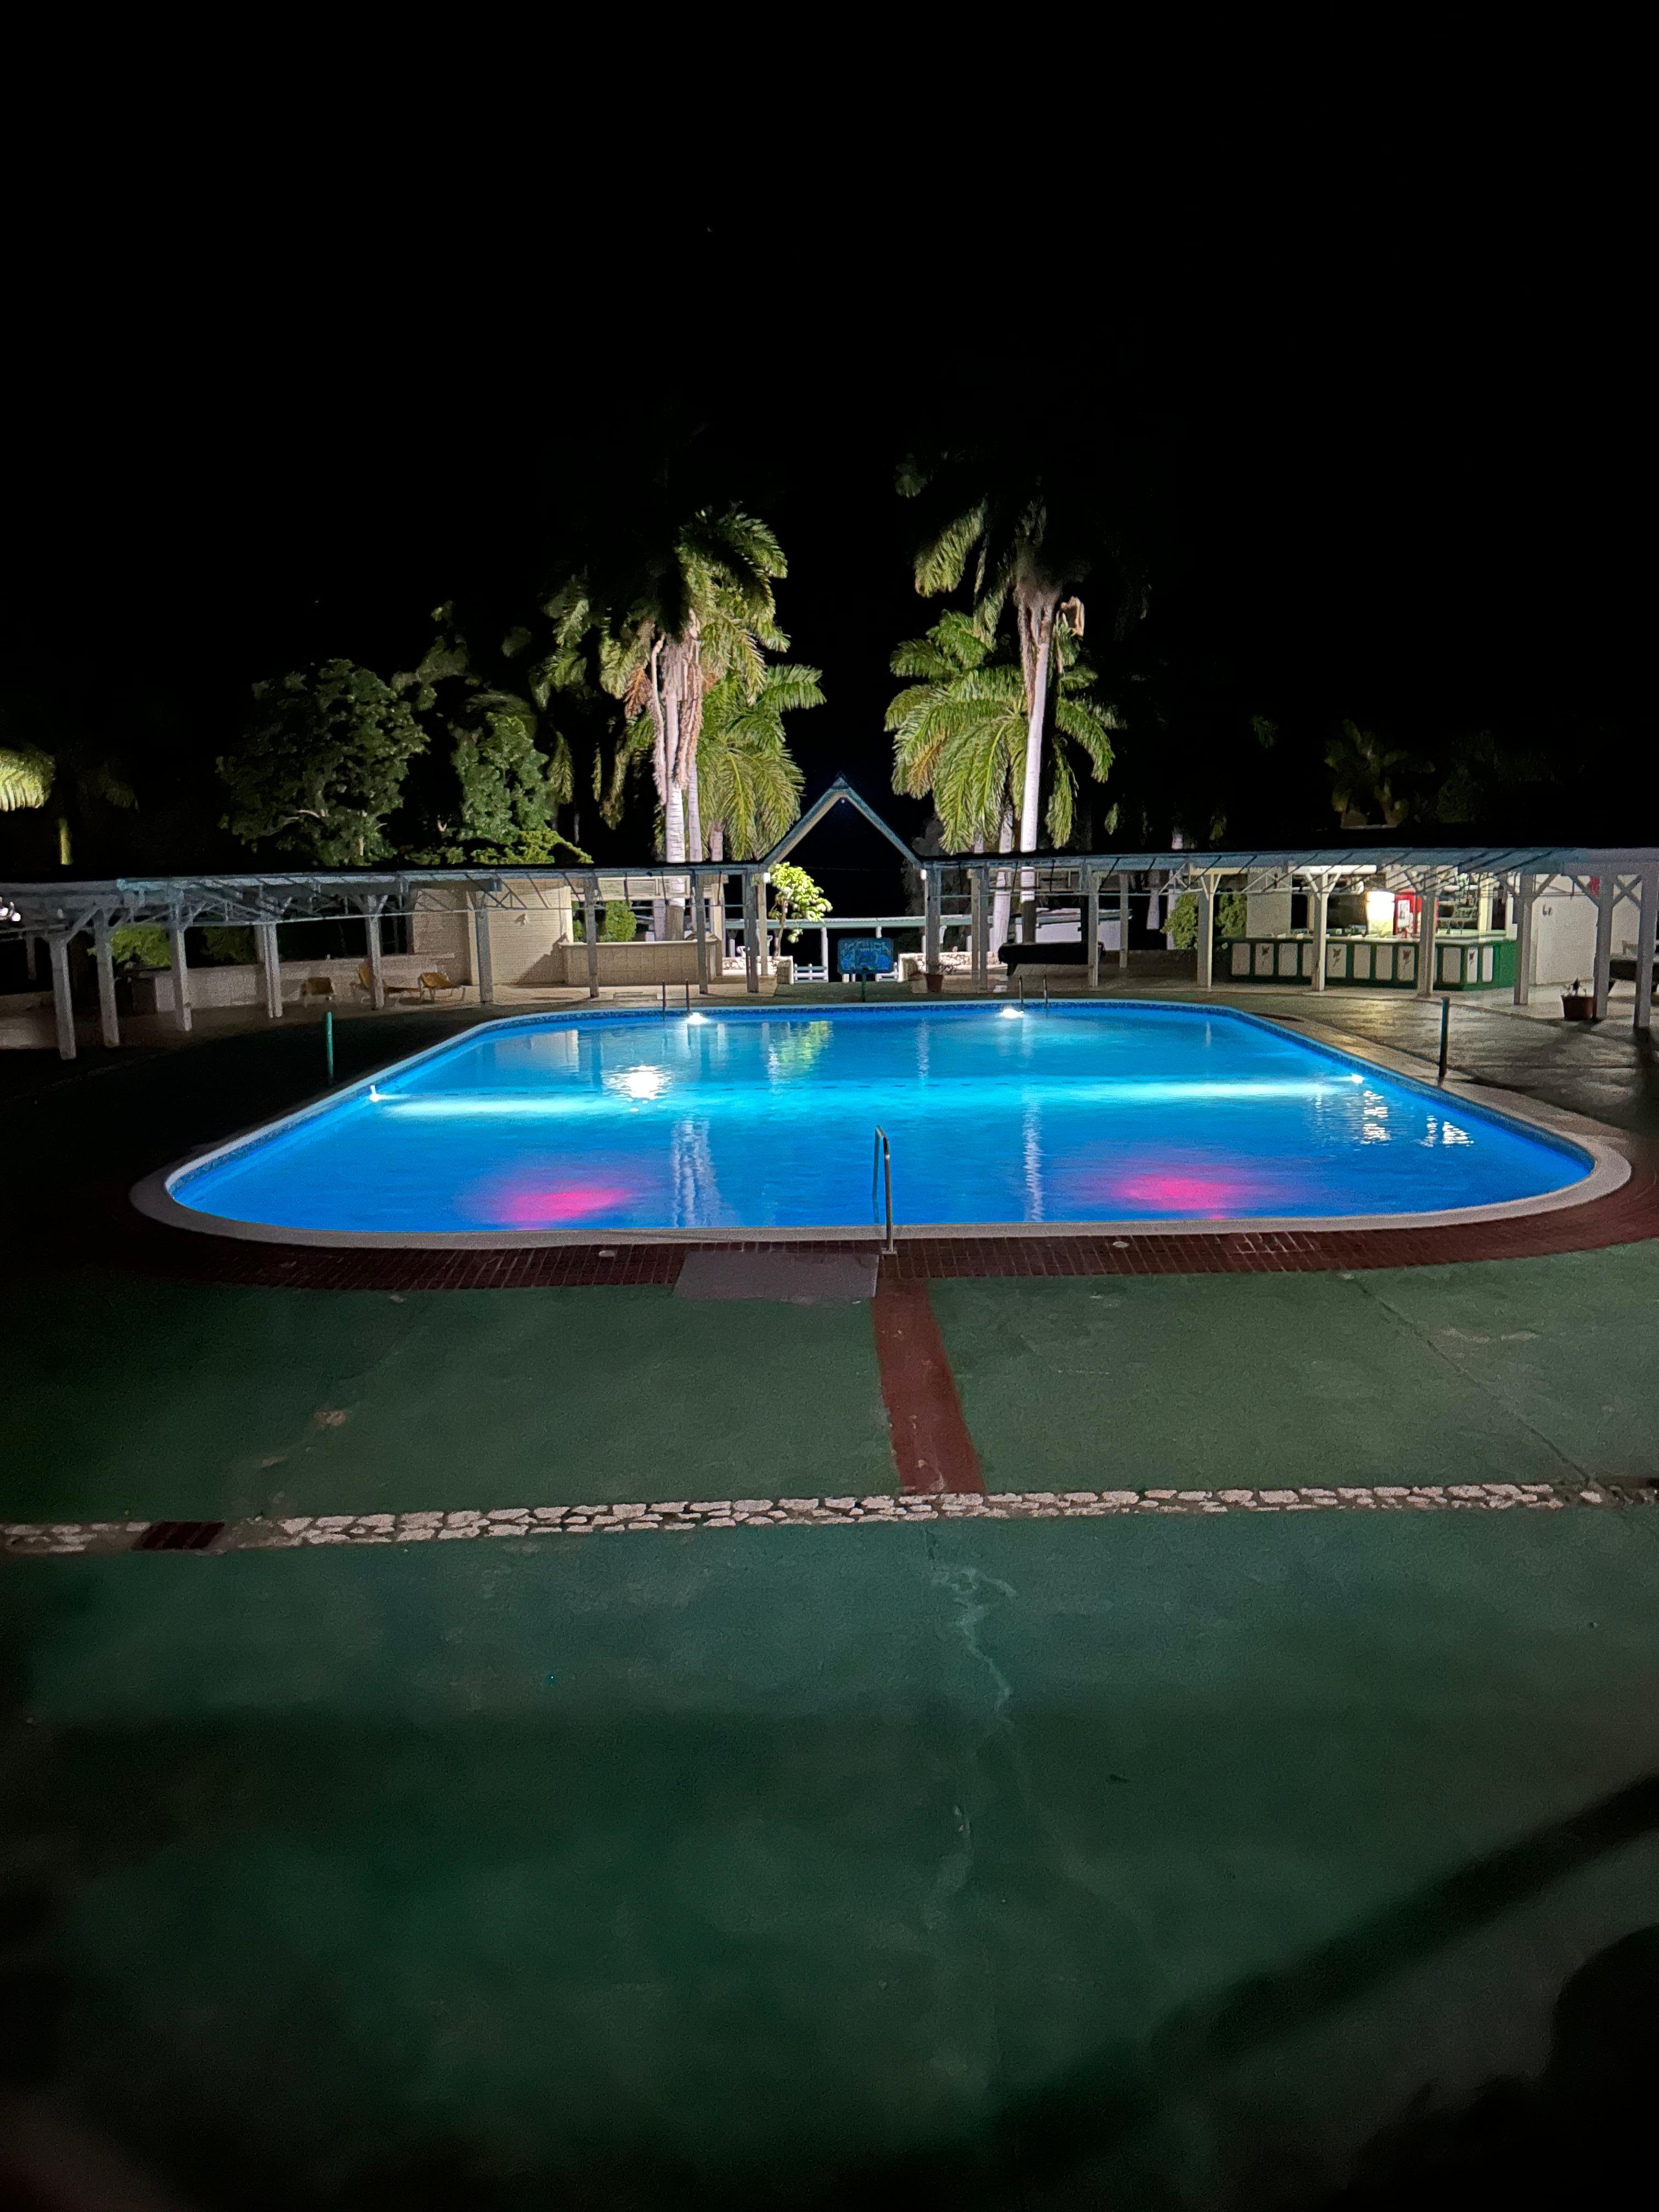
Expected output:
(1000, 904)
(673, 818)
(1034, 612)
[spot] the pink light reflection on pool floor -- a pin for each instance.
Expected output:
(527, 1202)
(1198, 1189)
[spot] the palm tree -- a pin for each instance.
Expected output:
(1364, 770)
(1027, 551)
(666, 629)
(749, 785)
(960, 734)
(28, 777)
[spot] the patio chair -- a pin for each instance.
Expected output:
(435, 985)
(316, 987)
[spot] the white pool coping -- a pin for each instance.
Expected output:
(1610, 1169)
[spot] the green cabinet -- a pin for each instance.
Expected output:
(1464, 962)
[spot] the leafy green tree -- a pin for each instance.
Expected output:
(960, 731)
(749, 785)
(321, 765)
(797, 896)
(508, 771)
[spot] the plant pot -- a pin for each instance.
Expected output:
(1577, 1006)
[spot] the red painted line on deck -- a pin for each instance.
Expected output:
(931, 1442)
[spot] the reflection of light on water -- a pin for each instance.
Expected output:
(1011, 1013)
(1374, 1126)
(1033, 1166)
(639, 1082)
(1445, 1132)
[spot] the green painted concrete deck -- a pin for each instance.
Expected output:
(127, 1397)
(1014, 1859)
(1156, 1863)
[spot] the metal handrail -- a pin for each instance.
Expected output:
(881, 1164)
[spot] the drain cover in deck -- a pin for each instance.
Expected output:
(787, 1278)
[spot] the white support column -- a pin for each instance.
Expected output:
(823, 952)
(1320, 892)
(762, 900)
(1123, 920)
(62, 1004)
(180, 975)
(371, 932)
(1647, 927)
(1426, 921)
(1526, 892)
(1091, 923)
(593, 924)
(978, 947)
(932, 894)
(269, 961)
(751, 936)
(483, 973)
(1605, 899)
(109, 1022)
(1206, 933)
(700, 917)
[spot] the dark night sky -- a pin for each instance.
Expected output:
(1405, 445)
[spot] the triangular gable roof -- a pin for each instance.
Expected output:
(839, 790)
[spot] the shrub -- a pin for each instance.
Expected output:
(141, 945)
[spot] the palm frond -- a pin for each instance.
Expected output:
(25, 778)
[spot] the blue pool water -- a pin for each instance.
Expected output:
(746, 1118)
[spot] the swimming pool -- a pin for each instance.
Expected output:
(550, 1127)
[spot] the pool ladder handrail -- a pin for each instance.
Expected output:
(881, 1165)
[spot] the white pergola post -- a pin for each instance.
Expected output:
(1320, 893)
(594, 923)
(1206, 933)
(1647, 928)
(180, 974)
(62, 1004)
(1426, 921)
(1526, 891)
(269, 960)
(1123, 920)
(751, 936)
(1091, 922)
(1606, 898)
(371, 932)
(932, 894)
(108, 1021)
(978, 948)
(823, 952)
(483, 973)
(700, 915)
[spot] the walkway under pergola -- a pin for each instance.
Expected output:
(60, 912)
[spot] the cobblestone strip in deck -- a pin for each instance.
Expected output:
(303, 1532)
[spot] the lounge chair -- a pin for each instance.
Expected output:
(366, 985)
(435, 985)
(316, 987)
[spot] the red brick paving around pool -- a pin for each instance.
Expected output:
(1627, 1216)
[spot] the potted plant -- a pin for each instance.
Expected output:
(1577, 1004)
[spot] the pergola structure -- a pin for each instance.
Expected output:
(60, 912)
